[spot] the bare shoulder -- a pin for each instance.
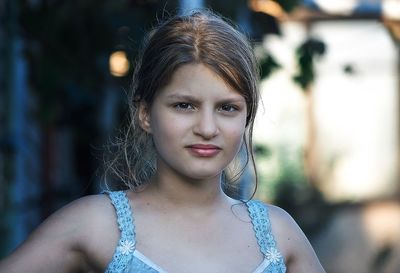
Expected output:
(94, 222)
(285, 230)
(89, 210)
(282, 223)
(80, 218)
(278, 214)
(68, 240)
(294, 245)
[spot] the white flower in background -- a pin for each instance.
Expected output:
(126, 247)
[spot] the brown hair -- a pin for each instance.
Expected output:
(198, 37)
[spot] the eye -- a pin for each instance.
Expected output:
(183, 106)
(229, 108)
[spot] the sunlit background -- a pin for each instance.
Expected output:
(326, 137)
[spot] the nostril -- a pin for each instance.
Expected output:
(206, 127)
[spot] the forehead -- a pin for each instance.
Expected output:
(200, 81)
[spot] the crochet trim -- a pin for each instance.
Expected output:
(258, 212)
(126, 244)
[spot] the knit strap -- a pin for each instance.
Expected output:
(258, 212)
(126, 244)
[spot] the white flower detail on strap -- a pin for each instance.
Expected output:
(273, 255)
(126, 247)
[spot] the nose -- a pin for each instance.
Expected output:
(206, 124)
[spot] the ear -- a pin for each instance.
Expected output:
(144, 117)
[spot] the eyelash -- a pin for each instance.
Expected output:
(183, 106)
(232, 108)
(186, 106)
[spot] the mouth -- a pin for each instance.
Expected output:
(204, 150)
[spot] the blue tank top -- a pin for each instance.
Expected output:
(127, 259)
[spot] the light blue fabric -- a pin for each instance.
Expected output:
(258, 212)
(127, 259)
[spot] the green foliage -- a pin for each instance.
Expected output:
(262, 150)
(268, 65)
(306, 54)
(278, 165)
(288, 5)
(284, 182)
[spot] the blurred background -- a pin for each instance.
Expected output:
(326, 138)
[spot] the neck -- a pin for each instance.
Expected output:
(187, 193)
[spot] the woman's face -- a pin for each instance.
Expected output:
(197, 122)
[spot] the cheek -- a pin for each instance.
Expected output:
(166, 130)
(234, 134)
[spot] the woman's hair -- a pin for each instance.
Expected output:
(200, 37)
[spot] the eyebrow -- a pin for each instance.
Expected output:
(182, 97)
(191, 98)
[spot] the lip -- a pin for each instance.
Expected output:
(204, 150)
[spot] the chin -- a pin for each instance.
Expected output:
(204, 175)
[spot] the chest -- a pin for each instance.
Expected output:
(185, 246)
(162, 243)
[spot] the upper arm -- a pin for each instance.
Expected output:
(58, 244)
(300, 256)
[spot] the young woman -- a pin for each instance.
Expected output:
(194, 100)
